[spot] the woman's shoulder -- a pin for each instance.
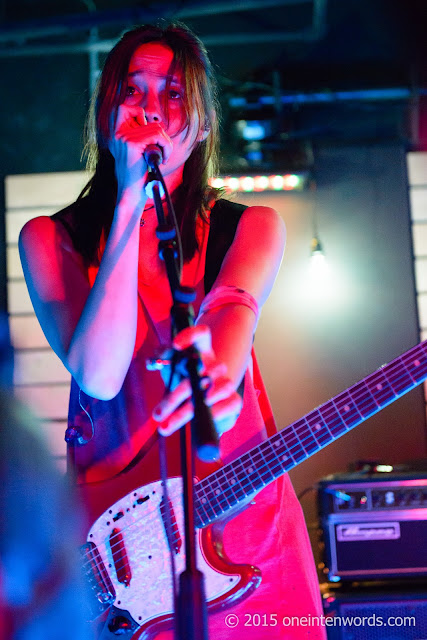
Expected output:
(228, 210)
(254, 233)
(56, 229)
(232, 216)
(269, 218)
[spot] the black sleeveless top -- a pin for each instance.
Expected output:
(106, 425)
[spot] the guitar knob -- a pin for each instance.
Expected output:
(120, 625)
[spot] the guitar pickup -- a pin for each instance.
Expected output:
(176, 538)
(120, 557)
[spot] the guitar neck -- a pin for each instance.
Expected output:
(234, 483)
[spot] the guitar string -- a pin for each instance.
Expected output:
(231, 466)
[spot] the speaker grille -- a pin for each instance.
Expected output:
(399, 619)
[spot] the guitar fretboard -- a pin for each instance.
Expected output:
(239, 480)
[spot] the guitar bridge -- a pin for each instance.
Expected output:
(98, 581)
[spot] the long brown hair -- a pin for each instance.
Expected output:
(94, 209)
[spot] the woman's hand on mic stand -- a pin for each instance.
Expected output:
(176, 408)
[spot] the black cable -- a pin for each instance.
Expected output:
(171, 211)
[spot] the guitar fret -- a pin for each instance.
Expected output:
(201, 517)
(202, 502)
(236, 484)
(216, 500)
(319, 428)
(333, 419)
(211, 508)
(347, 409)
(306, 437)
(416, 362)
(277, 450)
(243, 479)
(299, 447)
(366, 403)
(293, 445)
(219, 492)
(380, 388)
(271, 457)
(282, 454)
(231, 484)
(260, 463)
(399, 378)
(251, 472)
(227, 488)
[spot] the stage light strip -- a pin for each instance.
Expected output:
(274, 182)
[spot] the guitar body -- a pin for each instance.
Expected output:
(127, 544)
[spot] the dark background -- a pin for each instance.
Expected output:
(295, 48)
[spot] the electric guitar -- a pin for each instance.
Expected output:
(127, 556)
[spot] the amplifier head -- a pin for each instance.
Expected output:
(373, 527)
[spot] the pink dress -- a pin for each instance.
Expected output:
(270, 534)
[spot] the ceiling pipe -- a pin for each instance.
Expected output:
(326, 97)
(20, 32)
(104, 46)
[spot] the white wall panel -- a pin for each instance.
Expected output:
(421, 274)
(18, 298)
(418, 201)
(46, 401)
(417, 177)
(26, 333)
(419, 237)
(417, 165)
(14, 268)
(422, 309)
(54, 434)
(44, 189)
(39, 367)
(40, 379)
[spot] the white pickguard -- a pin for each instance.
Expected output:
(149, 594)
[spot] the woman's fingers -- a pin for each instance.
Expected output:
(218, 385)
(176, 408)
(198, 336)
(127, 113)
(131, 130)
(224, 413)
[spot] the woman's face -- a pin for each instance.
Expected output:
(147, 87)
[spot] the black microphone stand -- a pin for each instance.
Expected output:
(190, 605)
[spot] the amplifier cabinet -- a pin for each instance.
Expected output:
(376, 615)
(374, 528)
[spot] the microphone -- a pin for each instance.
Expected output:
(153, 155)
